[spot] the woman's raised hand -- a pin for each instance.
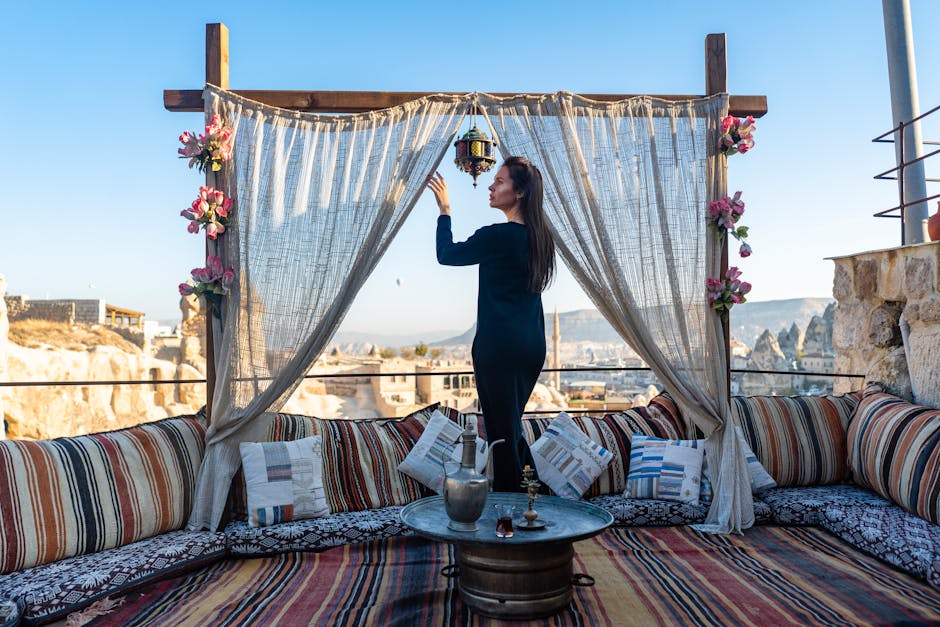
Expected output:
(436, 184)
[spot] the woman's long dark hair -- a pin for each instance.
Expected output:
(527, 180)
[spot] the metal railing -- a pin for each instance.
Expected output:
(340, 375)
(901, 129)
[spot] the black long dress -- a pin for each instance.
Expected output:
(509, 346)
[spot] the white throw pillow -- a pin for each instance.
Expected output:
(566, 459)
(667, 470)
(441, 438)
(284, 480)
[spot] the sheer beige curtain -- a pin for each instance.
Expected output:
(626, 190)
(318, 199)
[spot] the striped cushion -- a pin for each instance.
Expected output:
(361, 459)
(894, 449)
(71, 496)
(659, 419)
(800, 440)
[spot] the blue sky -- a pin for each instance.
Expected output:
(92, 189)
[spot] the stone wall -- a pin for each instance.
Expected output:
(873, 290)
(67, 310)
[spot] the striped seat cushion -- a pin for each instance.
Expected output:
(894, 449)
(659, 419)
(800, 440)
(72, 496)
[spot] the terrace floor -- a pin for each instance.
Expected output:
(644, 576)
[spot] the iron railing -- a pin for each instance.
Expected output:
(340, 375)
(900, 130)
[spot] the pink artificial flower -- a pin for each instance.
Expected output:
(212, 231)
(745, 250)
(712, 283)
(735, 298)
(185, 137)
(214, 265)
(193, 227)
(186, 289)
(727, 141)
(726, 123)
(228, 276)
(202, 275)
(743, 148)
(186, 213)
(745, 287)
(222, 211)
(733, 273)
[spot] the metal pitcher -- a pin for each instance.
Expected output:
(465, 490)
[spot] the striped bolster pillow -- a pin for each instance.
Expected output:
(800, 440)
(361, 459)
(894, 449)
(71, 496)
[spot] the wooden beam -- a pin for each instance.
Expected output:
(182, 100)
(216, 55)
(216, 74)
(716, 65)
(716, 82)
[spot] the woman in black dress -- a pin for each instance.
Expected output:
(517, 261)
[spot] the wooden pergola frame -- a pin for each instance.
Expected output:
(217, 73)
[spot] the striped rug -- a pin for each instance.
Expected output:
(645, 576)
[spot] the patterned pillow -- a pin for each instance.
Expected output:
(894, 449)
(361, 459)
(800, 440)
(659, 419)
(567, 460)
(282, 428)
(440, 441)
(71, 496)
(284, 480)
(666, 470)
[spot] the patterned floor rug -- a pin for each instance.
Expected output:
(644, 576)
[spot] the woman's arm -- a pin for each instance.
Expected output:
(437, 185)
(477, 248)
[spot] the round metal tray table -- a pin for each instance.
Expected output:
(526, 576)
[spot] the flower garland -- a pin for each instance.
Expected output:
(726, 292)
(723, 215)
(210, 149)
(211, 282)
(210, 210)
(736, 134)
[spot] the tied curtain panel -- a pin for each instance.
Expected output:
(319, 198)
(626, 190)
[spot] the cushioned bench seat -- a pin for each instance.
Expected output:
(50, 591)
(888, 533)
(805, 505)
(315, 534)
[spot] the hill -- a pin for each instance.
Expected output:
(748, 321)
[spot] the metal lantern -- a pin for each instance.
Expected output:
(475, 153)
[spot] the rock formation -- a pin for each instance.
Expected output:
(766, 355)
(818, 338)
(791, 342)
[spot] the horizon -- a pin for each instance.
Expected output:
(94, 211)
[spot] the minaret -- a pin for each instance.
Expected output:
(557, 350)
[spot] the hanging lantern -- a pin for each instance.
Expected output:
(475, 153)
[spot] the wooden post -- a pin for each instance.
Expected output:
(217, 55)
(716, 82)
(216, 74)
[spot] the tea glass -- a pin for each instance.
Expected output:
(504, 514)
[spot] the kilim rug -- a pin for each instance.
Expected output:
(645, 576)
